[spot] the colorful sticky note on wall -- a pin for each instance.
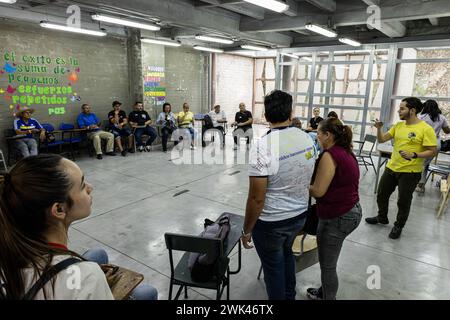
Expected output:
(11, 107)
(77, 70)
(2, 91)
(73, 77)
(11, 89)
(9, 68)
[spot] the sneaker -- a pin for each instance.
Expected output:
(148, 148)
(375, 220)
(141, 148)
(420, 188)
(111, 153)
(314, 293)
(99, 156)
(193, 148)
(395, 232)
(235, 148)
(123, 153)
(131, 150)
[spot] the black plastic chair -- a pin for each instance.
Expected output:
(364, 157)
(56, 143)
(11, 150)
(181, 275)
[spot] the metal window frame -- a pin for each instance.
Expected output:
(392, 64)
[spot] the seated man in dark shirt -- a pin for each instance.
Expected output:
(140, 121)
(117, 126)
(243, 122)
(314, 121)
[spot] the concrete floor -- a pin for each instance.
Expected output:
(134, 205)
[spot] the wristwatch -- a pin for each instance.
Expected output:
(414, 155)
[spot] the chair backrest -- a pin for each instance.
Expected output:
(9, 133)
(48, 127)
(199, 116)
(371, 139)
(66, 126)
(181, 242)
(105, 125)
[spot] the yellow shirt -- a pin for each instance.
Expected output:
(187, 119)
(410, 138)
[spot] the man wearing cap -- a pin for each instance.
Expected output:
(117, 126)
(89, 121)
(25, 126)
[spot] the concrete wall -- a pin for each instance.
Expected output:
(233, 83)
(98, 73)
(185, 78)
(175, 75)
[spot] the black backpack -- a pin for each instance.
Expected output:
(203, 266)
(445, 145)
(208, 123)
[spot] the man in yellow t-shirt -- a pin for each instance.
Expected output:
(414, 140)
(186, 121)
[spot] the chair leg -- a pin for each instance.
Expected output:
(170, 290)
(228, 283)
(259, 273)
(179, 292)
(185, 292)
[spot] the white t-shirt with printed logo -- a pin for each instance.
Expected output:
(286, 156)
(91, 285)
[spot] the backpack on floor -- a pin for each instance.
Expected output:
(208, 123)
(445, 145)
(203, 266)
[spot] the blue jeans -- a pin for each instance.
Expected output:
(26, 147)
(142, 291)
(331, 234)
(151, 132)
(273, 242)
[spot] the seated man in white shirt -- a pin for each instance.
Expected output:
(218, 119)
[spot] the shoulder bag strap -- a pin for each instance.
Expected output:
(48, 275)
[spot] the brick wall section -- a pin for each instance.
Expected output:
(233, 83)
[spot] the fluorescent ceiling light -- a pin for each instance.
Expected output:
(214, 39)
(8, 1)
(71, 29)
(123, 22)
(208, 49)
(320, 30)
(290, 55)
(350, 42)
(256, 48)
(162, 42)
(270, 4)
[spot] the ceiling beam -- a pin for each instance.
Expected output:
(327, 5)
(240, 7)
(293, 8)
(393, 29)
(215, 3)
(184, 14)
(434, 21)
(393, 13)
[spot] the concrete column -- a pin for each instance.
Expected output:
(286, 75)
(135, 70)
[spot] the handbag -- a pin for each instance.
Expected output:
(121, 281)
(312, 220)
